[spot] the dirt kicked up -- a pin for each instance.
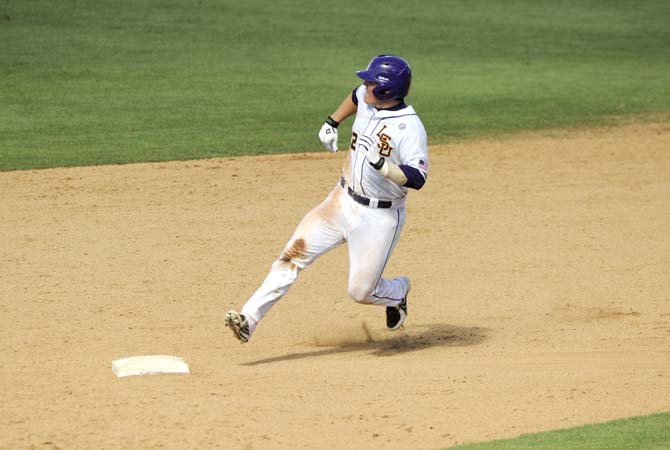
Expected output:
(540, 300)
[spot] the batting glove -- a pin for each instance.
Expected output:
(369, 148)
(328, 134)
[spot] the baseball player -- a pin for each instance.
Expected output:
(388, 155)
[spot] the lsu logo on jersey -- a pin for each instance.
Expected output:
(384, 145)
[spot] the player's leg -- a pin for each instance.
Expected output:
(370, 244)
(319, 231)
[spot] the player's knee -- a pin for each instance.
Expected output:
(360, 294)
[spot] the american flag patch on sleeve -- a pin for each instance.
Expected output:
(423, 165)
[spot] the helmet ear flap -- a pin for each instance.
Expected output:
(382, 93)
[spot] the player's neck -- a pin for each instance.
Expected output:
(390, 105)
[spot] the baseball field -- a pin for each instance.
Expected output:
(155, 157)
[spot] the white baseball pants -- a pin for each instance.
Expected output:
(370, 233)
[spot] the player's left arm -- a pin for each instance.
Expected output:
(413, 154)
(412, 171)
(401, 174)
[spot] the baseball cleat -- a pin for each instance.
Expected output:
(239, 324)
(396, 315)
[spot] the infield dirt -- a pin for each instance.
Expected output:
(541, 300)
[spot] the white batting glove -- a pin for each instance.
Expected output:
(328, 135)
(369, 148)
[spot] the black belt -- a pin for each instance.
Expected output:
(364, 200)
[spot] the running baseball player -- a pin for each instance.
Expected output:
(388, 155)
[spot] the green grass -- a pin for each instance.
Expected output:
(116, 81)
(644, 433)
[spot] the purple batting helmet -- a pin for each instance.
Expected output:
(391, 73)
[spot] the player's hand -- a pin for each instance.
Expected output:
(328, 136)
(368, 146)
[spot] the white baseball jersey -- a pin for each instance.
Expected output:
(402, 140)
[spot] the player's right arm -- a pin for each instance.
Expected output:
(328, 132)
(346, 109)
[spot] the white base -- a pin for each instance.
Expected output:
(149, 365)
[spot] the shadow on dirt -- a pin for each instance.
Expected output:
(417, 337)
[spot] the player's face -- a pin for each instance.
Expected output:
(370, 98)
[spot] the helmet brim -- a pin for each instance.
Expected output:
(365, 75)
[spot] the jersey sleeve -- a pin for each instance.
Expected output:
(357, 94)
(414, 150)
